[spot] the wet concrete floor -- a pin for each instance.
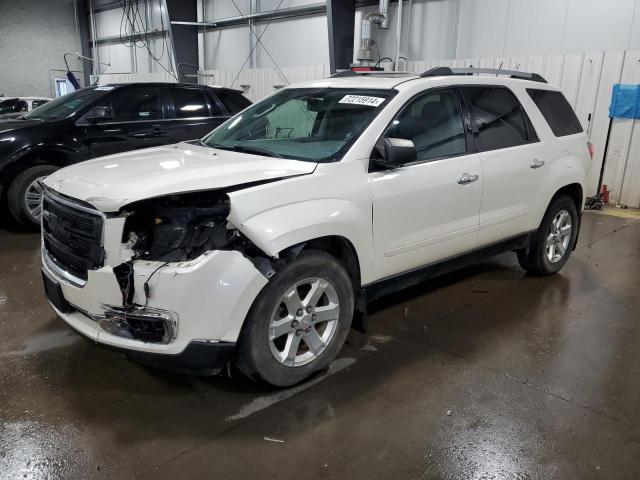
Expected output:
(485, 373)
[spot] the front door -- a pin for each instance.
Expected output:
(512, 157)
(137, 121)
(429, 210)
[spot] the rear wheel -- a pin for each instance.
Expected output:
(25, 195)
(299, 322)
(552, 244)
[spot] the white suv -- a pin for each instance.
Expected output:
(261, 243)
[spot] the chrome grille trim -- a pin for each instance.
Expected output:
(72, 238)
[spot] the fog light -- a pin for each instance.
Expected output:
(149, 325)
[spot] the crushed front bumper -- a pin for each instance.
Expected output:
(209, 296)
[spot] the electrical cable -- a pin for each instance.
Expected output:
(136, 31)
(147, 288)
(383, 58)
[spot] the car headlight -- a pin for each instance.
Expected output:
(177, 227)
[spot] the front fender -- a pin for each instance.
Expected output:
(276, 229)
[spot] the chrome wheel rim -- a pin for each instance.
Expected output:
(559, 236)
(304, 322)
(33, 198)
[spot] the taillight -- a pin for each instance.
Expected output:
(591, 149)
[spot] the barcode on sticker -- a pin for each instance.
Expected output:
(362, 100)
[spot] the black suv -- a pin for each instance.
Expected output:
(98, 121)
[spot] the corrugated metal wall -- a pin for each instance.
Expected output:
(585, 78)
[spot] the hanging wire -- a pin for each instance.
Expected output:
(256, 44)
(134, 31)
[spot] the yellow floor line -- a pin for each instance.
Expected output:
(632, 213)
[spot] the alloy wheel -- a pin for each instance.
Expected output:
(559, 236)
(33, 198)
(304, 322)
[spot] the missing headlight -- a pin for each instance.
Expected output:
(178, 227)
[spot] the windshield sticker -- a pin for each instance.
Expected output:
(362, 100)
(104, 88)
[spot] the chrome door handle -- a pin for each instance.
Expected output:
(536, 163)
(466, 178)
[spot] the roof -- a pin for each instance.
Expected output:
(167, 84)
(404, 79)
(385, 82)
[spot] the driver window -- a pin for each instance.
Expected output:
(433, 122)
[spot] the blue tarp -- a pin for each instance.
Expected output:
(625, 101)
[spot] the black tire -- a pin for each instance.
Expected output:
(17, 191)
(254, 355)
(535, 259)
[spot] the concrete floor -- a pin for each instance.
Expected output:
(485, 373)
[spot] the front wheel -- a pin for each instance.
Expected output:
(552, 244)
(299, 321)
(25, 195)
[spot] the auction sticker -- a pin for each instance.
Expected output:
(362, 100)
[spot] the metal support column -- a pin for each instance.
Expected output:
(340, 19)
(82, 17)
(185, 39)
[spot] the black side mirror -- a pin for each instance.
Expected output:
(396, 152)
(98, 114)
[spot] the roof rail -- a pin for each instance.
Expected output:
(446, 71)
(382, 73)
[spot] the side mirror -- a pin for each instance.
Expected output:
(98, 114)
(396, 152)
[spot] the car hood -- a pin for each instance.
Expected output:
(8, 116)
(9, 124)
(109, 183)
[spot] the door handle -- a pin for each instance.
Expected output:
(158, 130)
(466, 178)
(536, 163)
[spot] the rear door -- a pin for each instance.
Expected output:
(512, 162)
(427, 211)
(138, 121)
(194, 112)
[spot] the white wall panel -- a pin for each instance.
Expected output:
(588, 87)
(610, 74)
(482, 28)
(571, 73)
(598, 25)
(534, 27)
(621, 163)
(294, 42)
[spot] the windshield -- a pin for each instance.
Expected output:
(312, 124)
(66, 105)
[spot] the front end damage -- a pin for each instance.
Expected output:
(176, 276)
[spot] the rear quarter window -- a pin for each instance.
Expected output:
(233, 101)
(556, 111)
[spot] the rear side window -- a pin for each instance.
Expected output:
(556, 111)
(137, 103)
(499, 117)
(233, 101)
(189, 102)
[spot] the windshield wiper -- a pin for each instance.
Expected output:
(247, 149)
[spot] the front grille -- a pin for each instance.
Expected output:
(72, 235)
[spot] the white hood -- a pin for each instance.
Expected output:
(110, 182)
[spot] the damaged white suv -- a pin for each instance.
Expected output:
(261, 244)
